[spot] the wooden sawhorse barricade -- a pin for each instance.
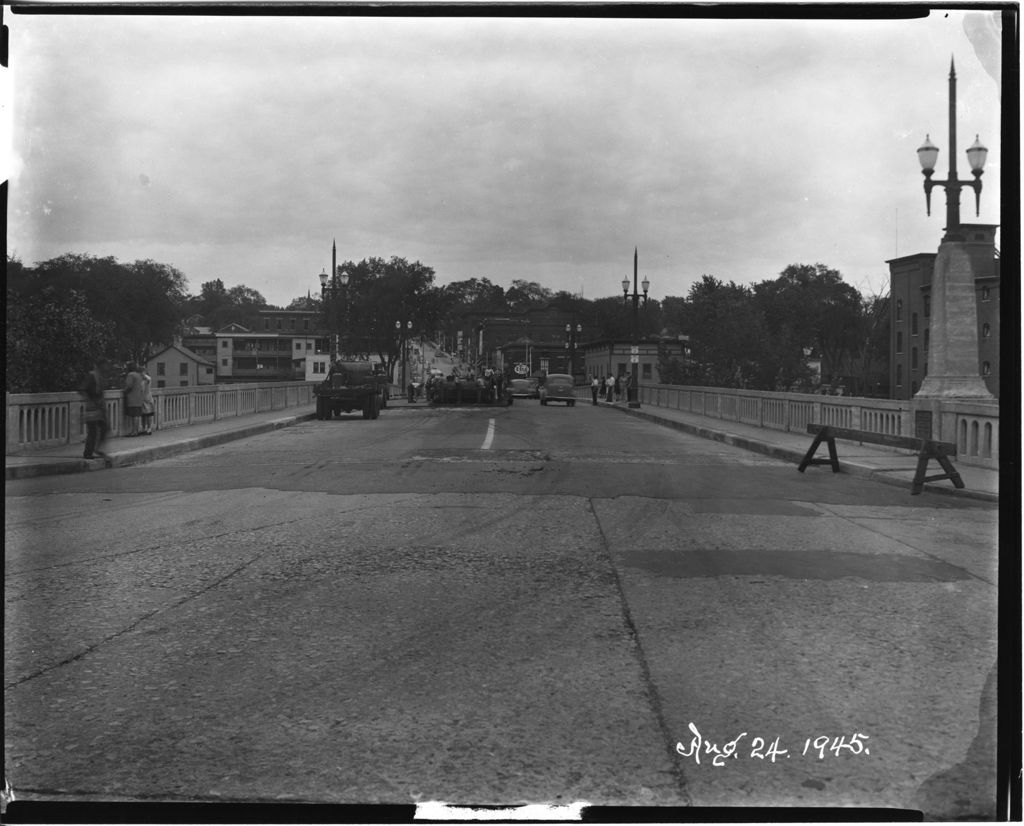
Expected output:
(927, 449)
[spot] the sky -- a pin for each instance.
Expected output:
(541, 149)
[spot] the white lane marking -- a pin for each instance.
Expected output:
(490, 435)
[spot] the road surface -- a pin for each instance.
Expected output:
(498, 606)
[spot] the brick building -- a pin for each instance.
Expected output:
(910, 281)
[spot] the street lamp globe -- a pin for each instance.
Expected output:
(625, 286)
(343, 278)
(928, 154)
(645, 284)
(976, 156)
(323, 280)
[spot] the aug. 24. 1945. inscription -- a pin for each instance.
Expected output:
(760, 748)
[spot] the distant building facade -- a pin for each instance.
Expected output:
(277, 350)
(179, 366)
(614, 357)
(538, 340)
(910, 283)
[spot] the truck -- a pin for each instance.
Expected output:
(351, 385)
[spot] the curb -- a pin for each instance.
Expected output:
(139, 456)
(794, 456)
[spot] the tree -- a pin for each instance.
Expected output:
(142, 301)
(724, 333)
(869, 364)
(52, 341)
(379, 294)
(220, 306)
(476, 295)
(809, 308)
(526, 295)
(305, 302)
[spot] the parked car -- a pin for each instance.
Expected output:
(524, 389)
(558, 387)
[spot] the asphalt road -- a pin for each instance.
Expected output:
(498, 606)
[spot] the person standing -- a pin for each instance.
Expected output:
(618, 387)
(148, 404)
(133, 399)
(95, 411)
(595, 388)
(609, 384)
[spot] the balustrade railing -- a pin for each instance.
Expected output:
(973, 426)
(41, 420)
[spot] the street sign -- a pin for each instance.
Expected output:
(635, 359)
(634, 350)
(521, 369)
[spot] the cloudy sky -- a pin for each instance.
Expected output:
(534, 148)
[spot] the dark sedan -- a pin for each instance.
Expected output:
(524, 389)
(558, 387)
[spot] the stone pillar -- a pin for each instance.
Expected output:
(953, 352)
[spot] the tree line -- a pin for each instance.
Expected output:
(65, 312)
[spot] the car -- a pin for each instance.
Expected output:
(558, 387)
(524, 389)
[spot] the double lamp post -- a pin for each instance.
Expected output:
(331, 287)
(633, 395)
(928, 154)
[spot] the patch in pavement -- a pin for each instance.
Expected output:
(816, 564)
(469, 455)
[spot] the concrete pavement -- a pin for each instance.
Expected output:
(881, 464)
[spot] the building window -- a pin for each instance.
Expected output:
(266, 324)
(913, 388)
(298, 345)
(927, 305)
(291, 323)
(913, 358)
(986, 369)
(279, 324)
(899, 375)
(899, 309)
(305, 324)
(985, 294)
(927, 337)
(183, 369)
(647, 370)
(223, 362)
(913, 324)
(224, 343)
(161, 383)
(309, 345)
(899, 342)
(161, 368)
(183, 383)
(986, 330)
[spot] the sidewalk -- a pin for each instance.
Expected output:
(877, 463)
(123, 450)
(880, 464)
